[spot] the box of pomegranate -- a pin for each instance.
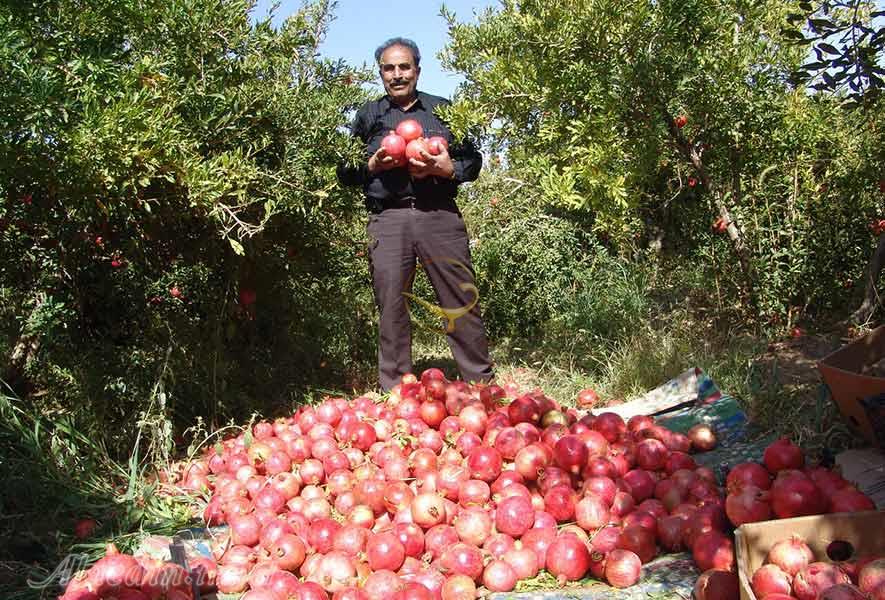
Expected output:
(825, 557)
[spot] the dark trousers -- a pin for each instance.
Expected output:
(398, 238)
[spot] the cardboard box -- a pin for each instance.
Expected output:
(865, 468)
(863, 530)
(858, 393)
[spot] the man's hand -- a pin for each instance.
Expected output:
(439, 165)
(381, 161)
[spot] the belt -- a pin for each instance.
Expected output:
(415, 203)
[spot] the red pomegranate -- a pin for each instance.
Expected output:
(815, 578)
(717, 585)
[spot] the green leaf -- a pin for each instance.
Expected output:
(793, 34)
(829, 49)
(823, 25)
(237, 246)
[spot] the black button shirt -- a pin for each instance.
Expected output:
(374, 120)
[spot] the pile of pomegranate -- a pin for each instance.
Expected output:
(784, 488)
(791, 571)
(445, 488)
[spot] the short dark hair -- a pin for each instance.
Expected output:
(399, 41)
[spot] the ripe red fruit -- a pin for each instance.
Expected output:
(639, 540)
(702, 437)
(681, 121)
(463, 559)
(568, 558)
(415, 147)
(385, 551)
(748, 473)
(811, 581)
(570, 453)
(622, 568)
(713, 550)
(499, 576)
(747, 505)
(770, 579)
(791, 555)
(842, 591)
(795, 495)
(850, 499)
(514, 516)
(692, 182)
(117, 263)
(587, 398)
(409, 130)
(115, 571)
(432, 374)
(394, 145)
(437, 144)
(782, 454)
(175, 292)
(247, 296)
(872, 576)
(716, 585)
(458, 587)
(84, 528)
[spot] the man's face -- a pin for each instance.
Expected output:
(399, 73)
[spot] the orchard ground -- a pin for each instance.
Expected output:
(776, 381)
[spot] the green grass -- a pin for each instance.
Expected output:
(52, 476)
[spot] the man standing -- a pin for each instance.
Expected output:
(413, 216)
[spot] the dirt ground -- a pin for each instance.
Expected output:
(793, 361)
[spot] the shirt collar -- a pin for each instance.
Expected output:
(386, 104)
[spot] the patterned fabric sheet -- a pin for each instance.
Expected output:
(739, 440)
(668, 577)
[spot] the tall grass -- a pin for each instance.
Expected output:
(52, 476)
